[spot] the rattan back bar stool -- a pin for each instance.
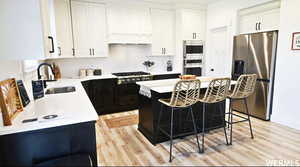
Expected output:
(216, 92)
(243, 89)
(184, 95)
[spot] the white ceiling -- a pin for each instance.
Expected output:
(200, 2)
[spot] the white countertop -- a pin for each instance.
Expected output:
(167, 85)
(71, 108)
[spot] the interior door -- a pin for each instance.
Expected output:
(218, 57)
(80, 29)
(97, 29)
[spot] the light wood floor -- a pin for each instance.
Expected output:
(126, 146)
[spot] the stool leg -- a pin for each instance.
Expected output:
(195, 128)
(231, 123)
(158, 124)
(203, 127)
(245, 101)
(224, 123)
(171, 136)
(228, 118)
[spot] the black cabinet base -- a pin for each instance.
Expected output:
(34, 147)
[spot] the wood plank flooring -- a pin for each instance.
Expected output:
(126, 146)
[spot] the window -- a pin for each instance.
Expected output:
(30, 65)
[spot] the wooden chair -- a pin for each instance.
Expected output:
(244, 88)
(216, 92)
(184, 95)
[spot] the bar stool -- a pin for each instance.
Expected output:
(184, 95)
(244, 88)
(216, 92)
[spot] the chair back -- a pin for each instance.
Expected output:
(217, 90)
(185, 93)
(245, 86)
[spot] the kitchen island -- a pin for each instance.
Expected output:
(149, 107)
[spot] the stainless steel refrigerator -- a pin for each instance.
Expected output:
(256, 54)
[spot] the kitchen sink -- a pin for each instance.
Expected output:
(58, 90)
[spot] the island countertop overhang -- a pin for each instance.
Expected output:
(167, 85)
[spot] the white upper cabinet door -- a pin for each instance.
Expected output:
(249, 23)
(63, 24)
(80, 29)
(193, 25)
(163, 37)
(49, 33)
(97, 29)
(270, 20)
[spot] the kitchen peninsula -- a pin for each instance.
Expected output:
(72, 132)
(149, 107)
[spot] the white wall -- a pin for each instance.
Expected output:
(287, 78)
(122, 58)
(223, 14)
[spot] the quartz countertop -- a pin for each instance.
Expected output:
(71, 108)
(167, 85)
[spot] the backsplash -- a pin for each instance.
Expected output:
(122, 58)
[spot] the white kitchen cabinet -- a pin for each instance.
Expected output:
(193, 25)
(249, 23)
(261, 18)
(270, 20)
(63, 25)
(163, 36)
(89, 29)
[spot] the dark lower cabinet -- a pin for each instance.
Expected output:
(38, 146)
(102, 95)
(109, 97)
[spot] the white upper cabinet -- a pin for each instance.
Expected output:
(129, 24)
(193, 25)
(270, 20)
(265, 17)
(89, 29)
(163, 33)
(63, 26)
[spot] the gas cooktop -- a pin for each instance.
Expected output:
(132, 77)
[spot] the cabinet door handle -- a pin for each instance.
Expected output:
(73, 51)
(59, 53)
(52, 44)
(93, 51)
(256, 26)
(164, 50)
(259, 26)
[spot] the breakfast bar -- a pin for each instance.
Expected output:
(149, 107)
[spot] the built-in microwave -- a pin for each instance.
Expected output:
(193, 56)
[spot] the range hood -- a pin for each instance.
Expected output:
(130, 39)
(129, 25)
